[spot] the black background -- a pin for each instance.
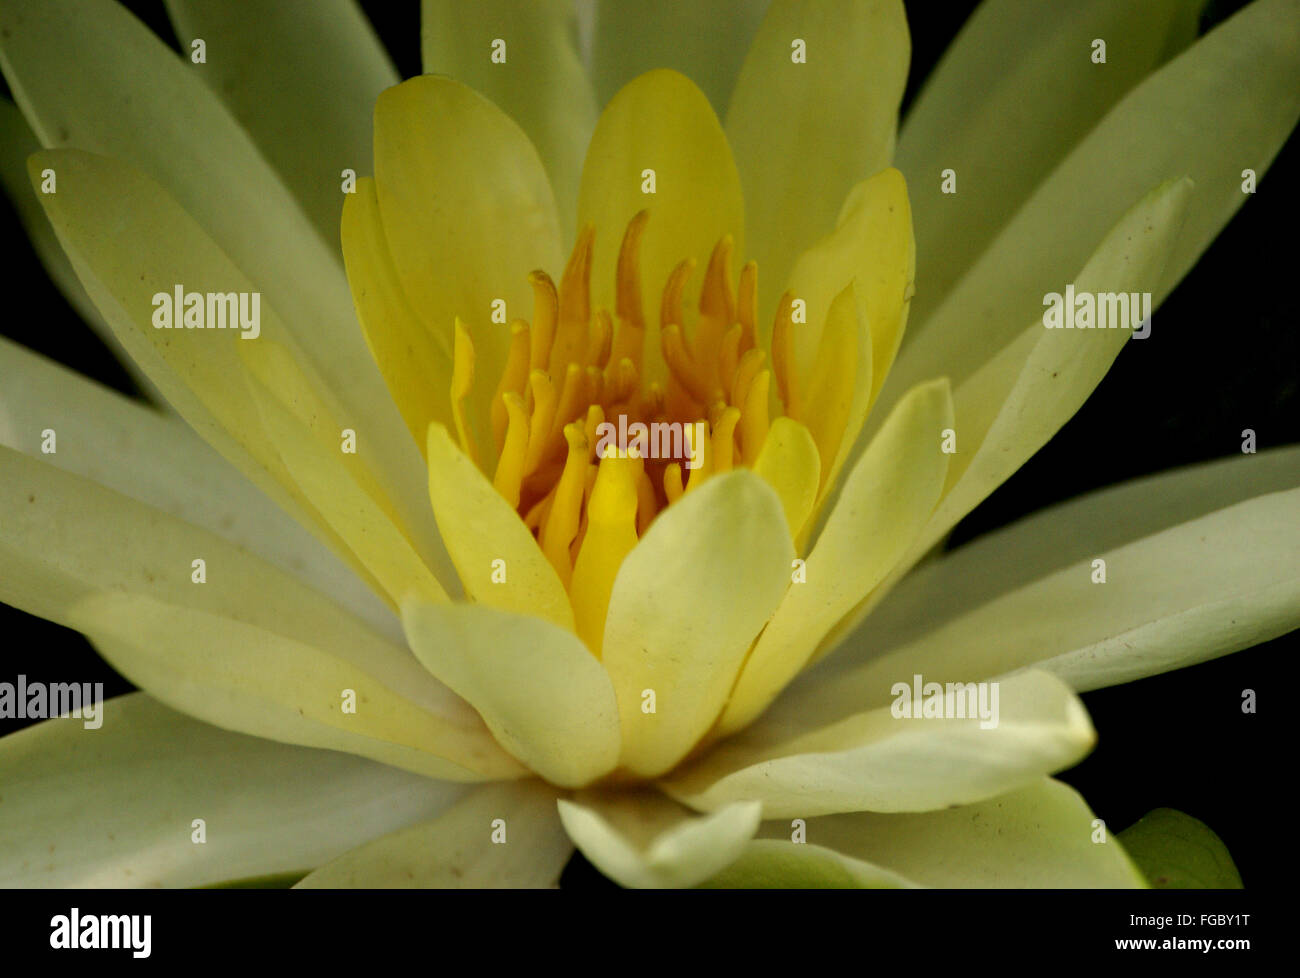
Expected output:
(1227, 360)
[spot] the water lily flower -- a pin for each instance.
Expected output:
(505, 632)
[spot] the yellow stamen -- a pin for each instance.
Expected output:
(510, 465)
(513, 378)
(783, 359)
(546, 313)
(673, 483)
(747, 307)
(611, 534)
(562, 521)
(754, 419)
(575, 305)
(723, 442)
(544, 398)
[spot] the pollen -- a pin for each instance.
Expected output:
(589, 451)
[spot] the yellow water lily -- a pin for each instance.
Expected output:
(506, 632)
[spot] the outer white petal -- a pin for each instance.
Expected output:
(116, 806)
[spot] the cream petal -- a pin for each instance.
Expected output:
(805, 133)
(1215, 584)
(247, 648)
(1022, 396)
(1039, 837)
(886, 761)
(499, 836)
(886, 501)
(157, 459)
(303, 425)
(659, 121)
(131, 244)
(775, 863)
(1061, 536)
(88, 74)
(643, 840)
(115, 806)
(302, 80)
(705, 40)
(540, 83)
(1018, 75)
(467, 212)
(17, 142)
(543, 695)
(1224, 105)
(686, 606)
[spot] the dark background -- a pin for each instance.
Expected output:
(1227, 360)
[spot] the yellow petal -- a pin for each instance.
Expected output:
(686, 606)
(487, 539)
(835, 114)
(467, 212)
(837, 384)
(790, 464)
(415, 360)
(872, 247)
(542, 694)
(886, 501)
(661, 122)
(881, 761)
(646, 841)
(458, 849)
(539, 82)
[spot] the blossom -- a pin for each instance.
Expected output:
(521, 644)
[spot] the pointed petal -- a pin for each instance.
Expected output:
(114, 807)
(1038, 837)
(416, 361)
(659, 121)
(1201, 589)
(302, 81)
(789, 463)
(1019, 74)
(305, 429)
(543, 695)
(460, 848)
(247, 648)
(687, 604)
(17, 142)
(777, 864)
(541, 82)
(1225, 104)
(132, 243)
(156, 458)
(480, 530)
(87, 74)
(886, 501)
(1061, 536)
(1023, 395)
(645, 841)
(884, 760)
(835, 114)
(467, 212)
(705, 40)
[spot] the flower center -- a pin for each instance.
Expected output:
(588, 450)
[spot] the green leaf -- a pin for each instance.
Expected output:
(1178, 852)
